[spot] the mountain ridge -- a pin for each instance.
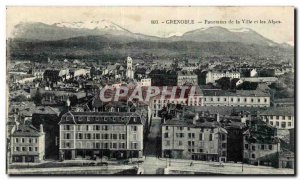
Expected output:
(65, 30)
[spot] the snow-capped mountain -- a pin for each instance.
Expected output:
(100, 25)
(110, 30)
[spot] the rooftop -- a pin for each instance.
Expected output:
(101, 118)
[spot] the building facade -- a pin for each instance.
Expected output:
(97, 134)
(240, 98)
(27, 144)
(187, 78)
(195, 140)
(261, 145)
(279, 117)
(211, 76)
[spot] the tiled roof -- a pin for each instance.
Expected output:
(101, 118)
(26, 131)
(279, 111)
(238, 93)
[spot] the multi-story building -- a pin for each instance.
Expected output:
(240, 98)
(27, 144)
(171, 95)
(261, 145)
(187, 78)
(195, 99)
(211, 76)
(200, 138)
(145, 82)
(279, 117)
(98, 134)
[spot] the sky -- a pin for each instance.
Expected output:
(138, 19)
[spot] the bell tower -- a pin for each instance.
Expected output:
(129, 72)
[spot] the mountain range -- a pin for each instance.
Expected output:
(105, 36)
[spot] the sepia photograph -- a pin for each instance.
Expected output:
(150, 91)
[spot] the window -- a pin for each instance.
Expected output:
(179, 143)
(289, 124)
(17, 148)
(201, 150)
(277, 123)
(253, 148)
(265, 99)
(283, 117)
(191, 135)
(168, 143)
(270, 147)
(277, 117)
(23, 148)
(223, 153)
(258, 100)
(271, 117)
(80, 136)
(167, 127)
(29, 148)
(252, 100)
(114, 145)
(283, 124)
(223, 145)
(211, 99)
(271, 122)
(23, 140)
(231, 99)
(122, 145)
(246, 146)
(67, 127)
(17, 140)
(238, 99)
(134, 136)
(36, 148)
(262, 147)
(245, 100)
(201, 137)
(88, 136)
(223, 137)
(253, 155)
(218, 99)
(166, 135)
(133, 128)
(67, 136)
(121, 136)
(114, 136)
(290, 117)
(210, 137)
(30, 140)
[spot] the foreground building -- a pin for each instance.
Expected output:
(97, 134)
(200, 138)
(261, 145)
(27, 144)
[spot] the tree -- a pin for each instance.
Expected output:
(247, 86)
(224, 83)
(20, 98)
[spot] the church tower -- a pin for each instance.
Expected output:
(129, 72)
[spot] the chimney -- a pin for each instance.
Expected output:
(41, 128)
